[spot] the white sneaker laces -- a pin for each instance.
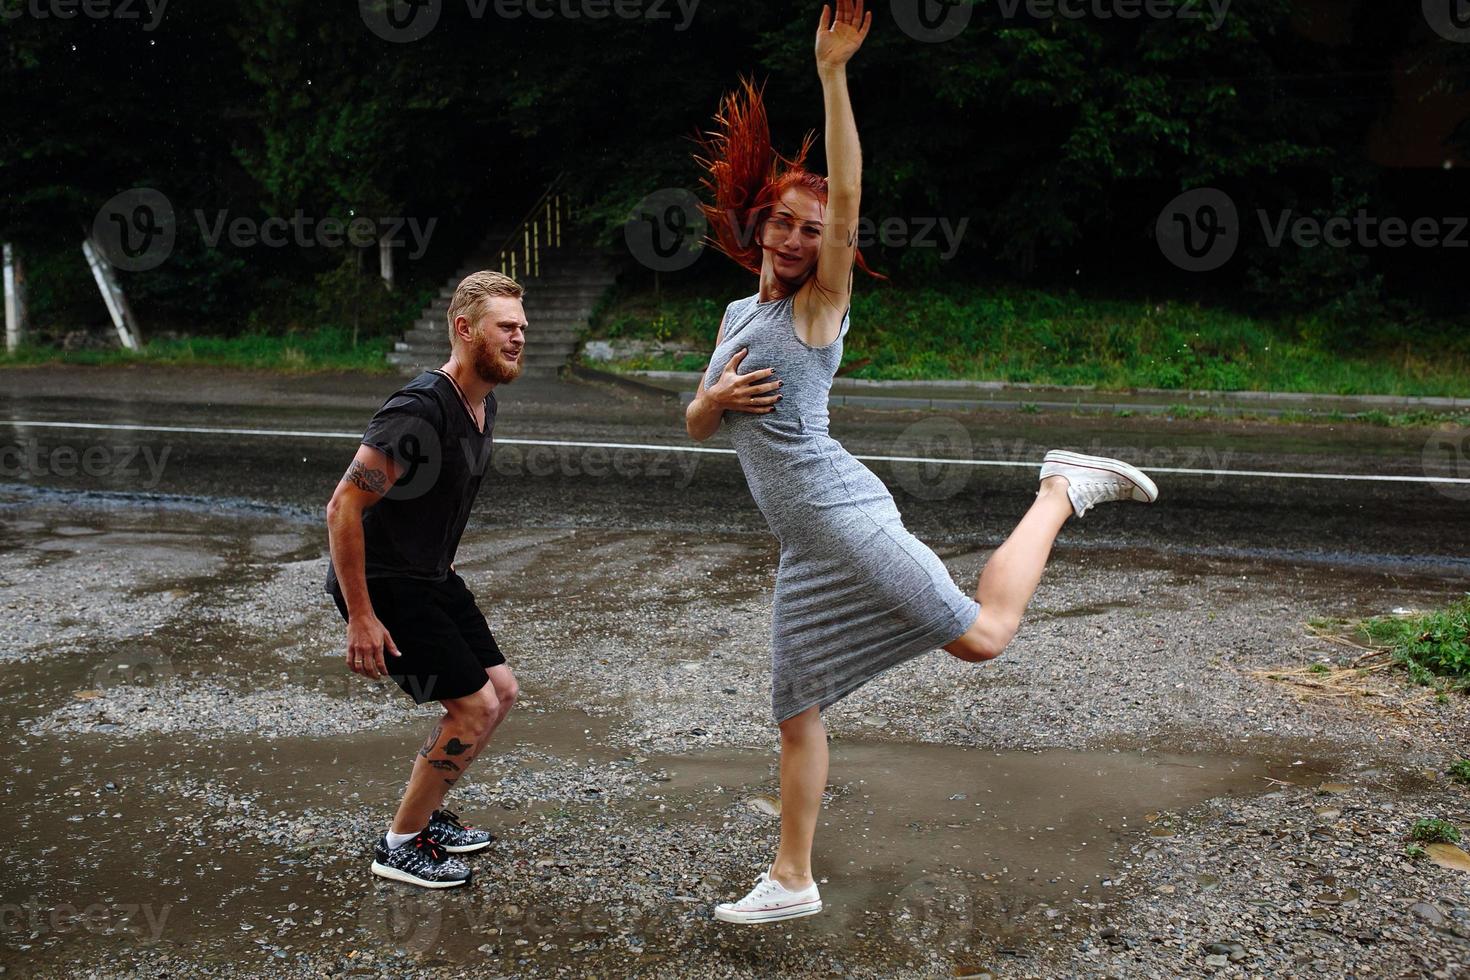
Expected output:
(1088, 492)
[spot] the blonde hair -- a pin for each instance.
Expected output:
(474, 291)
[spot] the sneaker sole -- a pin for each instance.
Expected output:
(1108, 465)
(467, 848)
(393, 874)
(773, 915)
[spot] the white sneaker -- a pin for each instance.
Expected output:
(770, 901)
(1097, 479)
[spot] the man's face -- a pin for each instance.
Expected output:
(498, 340)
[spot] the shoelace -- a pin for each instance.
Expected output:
(436, 851)
(1089, 492)
(447, 816)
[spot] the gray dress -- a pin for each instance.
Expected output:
(856, 593)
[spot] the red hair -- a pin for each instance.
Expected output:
(740, 172)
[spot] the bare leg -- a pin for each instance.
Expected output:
(803, 778)
(445, 755)
(507, 690)
(1010, 577)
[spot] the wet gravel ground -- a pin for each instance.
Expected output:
(186, 742)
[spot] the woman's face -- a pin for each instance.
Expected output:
(792, 236)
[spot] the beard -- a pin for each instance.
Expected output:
(492, 368)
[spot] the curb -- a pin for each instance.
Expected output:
(585, 373)
(1000, 395)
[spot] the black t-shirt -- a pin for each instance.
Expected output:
(414, 530)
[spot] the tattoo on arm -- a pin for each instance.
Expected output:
(373, 481)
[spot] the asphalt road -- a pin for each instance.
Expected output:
(585, 454)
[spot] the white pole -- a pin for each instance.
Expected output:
(385, 260)
(112, 295)
(15, 301)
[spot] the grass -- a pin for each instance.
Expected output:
(1434, 831)
(1395, 420)
(1432, 647)
(1459, 771)
(1035, 337)
(1431, 644)
(323, 349)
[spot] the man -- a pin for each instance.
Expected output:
(394, 523)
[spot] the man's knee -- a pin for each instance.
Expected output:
(508, 697)
(477, 713)
(506, 687)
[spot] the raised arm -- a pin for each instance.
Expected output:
(838, 39)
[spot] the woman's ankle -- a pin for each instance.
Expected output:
(794, 879)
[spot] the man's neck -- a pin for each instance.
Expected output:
(475, 388)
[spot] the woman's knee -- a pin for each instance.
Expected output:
(804, 727)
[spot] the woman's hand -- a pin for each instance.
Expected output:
(744, 392)
(838, 40)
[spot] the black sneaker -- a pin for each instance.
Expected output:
(454, 836)
(421, 861)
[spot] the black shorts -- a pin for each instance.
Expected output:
(445, 643)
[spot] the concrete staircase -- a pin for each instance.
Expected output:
(558, 303)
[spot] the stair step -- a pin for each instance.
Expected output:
(559, 303)
(540, 321)
(536, 338)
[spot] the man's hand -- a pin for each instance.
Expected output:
(366, 640)
(744, 392)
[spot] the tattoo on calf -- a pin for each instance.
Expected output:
(428, 745)
(451, 782)
(443, 765)
(373, 481)
(455, 747)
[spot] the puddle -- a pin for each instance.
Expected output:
(1011, 831)
(927, 843)
(238, 845)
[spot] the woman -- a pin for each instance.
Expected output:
(856, 593)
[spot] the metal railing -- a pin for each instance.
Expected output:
(540, 229)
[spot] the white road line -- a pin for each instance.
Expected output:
(1027, 464)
